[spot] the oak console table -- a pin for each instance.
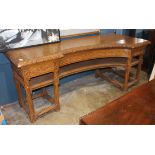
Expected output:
(40, 66)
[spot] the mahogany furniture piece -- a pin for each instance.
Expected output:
(135, 108)
(40, 66)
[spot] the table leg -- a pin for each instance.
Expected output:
(19, 92)
(97, 73)
(139, 67)
(56, 89)
(29, 101)
(127, 74)
(18, 89)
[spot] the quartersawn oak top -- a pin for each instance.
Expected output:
(31, 55)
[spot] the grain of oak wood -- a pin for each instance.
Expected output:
(32, 55)
(37, 67)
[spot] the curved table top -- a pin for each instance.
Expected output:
(31, 55)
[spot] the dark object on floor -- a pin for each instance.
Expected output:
(149, 56)
(135, 108)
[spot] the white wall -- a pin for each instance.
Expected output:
(65, 32)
